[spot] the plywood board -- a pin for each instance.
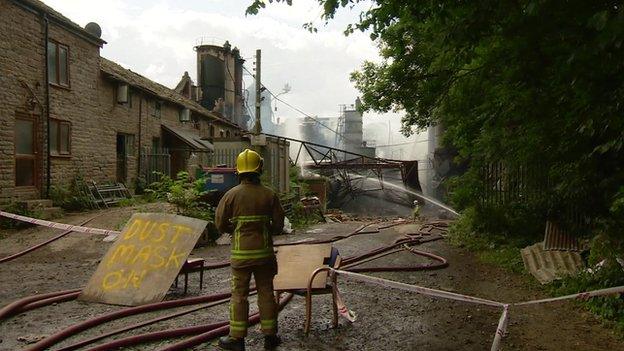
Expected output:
(295, 265)
(144, 260)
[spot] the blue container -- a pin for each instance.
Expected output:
(220, 179)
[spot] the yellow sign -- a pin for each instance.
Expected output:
(144, 260)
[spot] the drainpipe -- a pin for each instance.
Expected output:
(47, 103)
(140, 147)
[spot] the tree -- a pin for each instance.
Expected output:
(527, 83)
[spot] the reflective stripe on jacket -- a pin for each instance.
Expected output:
(253, 214)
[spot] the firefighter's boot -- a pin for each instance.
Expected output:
(271, 342)
(233, 344)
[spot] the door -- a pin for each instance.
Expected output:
(26, 155)
(122, 162)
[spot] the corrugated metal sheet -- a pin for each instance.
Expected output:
(547, 266)
(557, 239)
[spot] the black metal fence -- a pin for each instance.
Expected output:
(154, 163)
(504, 184)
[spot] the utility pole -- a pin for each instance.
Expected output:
(258, 126)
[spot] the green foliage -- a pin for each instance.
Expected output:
(500, 250)
(609, 308)
(159, 190)
(19, 209)
(140, 184)
(299, 218)
(127, 202)
(186, 194)
(521, 83)
(71, 197)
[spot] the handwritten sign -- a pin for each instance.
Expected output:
(144, 260)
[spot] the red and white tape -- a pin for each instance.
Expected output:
(62, 226)
(417, 289)
(343, 311)
(502, 323)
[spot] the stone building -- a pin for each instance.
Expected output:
(103, 121)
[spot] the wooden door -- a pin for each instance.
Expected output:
(26, 155)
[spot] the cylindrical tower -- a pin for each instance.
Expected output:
(219, 76)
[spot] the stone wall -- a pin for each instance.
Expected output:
(21, 61)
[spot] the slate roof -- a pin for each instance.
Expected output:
(117, 72)
(56, 16)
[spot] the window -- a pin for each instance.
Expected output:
(58, 64)
(60, 138)
(157, 109)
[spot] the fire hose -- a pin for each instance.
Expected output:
(40, 245)
(207, 332)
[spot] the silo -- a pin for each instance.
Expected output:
(211, 74)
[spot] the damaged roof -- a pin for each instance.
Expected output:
(120, 73)
(547, 266)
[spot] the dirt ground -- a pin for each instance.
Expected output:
(386, 319)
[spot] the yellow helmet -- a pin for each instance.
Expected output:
(249, 161)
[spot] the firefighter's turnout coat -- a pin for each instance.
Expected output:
(252, 213)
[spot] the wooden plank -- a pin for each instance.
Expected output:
(144, 260)
(295, 265)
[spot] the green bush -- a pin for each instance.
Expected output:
(299, 218)
(186, 194)
(159, 190)
(72, 197)
(610, 308)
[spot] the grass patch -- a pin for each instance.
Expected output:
(504, 251)
(487, 249)
(497, 249)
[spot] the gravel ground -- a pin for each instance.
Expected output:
(386, 319)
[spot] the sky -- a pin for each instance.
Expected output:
(156, 39)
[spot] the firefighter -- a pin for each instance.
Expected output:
(252, 213)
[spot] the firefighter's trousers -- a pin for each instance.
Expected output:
(239, 306)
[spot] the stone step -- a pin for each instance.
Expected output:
(38, 204)
(49, 213)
